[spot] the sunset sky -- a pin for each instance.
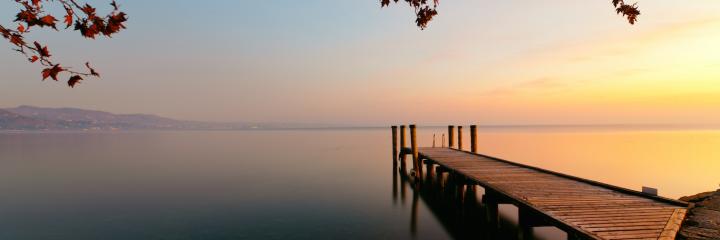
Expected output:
(349, 61)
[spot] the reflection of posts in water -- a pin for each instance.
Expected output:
(403, 145)
(461, 222)
(414, 214)
(394, 184)
(403, 190)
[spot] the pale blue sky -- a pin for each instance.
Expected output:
(340, 61)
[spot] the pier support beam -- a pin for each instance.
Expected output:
(491, 202)
(430, 170)
(473, 138)
(451, 136)
(527, 220)
(439, 175)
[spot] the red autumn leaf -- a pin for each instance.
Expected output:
(115, 23)
(43, 51)
(89, 10)
(28, 17)
(34, 59)
(68, 20)
(21, 28)
(52, 72)
(36, 3)
(48, 21)
(74, 80)
(17, 39)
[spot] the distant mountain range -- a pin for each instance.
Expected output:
(38, 118)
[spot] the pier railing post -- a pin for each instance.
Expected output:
(414, 149)
(460, 137)
(473, 138)
(402, 148)
(451, 136)
(394, 145)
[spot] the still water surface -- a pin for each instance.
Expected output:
(298, 184)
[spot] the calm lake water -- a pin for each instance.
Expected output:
(299, 184)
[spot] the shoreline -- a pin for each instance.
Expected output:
(703, 219)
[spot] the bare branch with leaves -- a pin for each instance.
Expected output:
(425, 10)
(82, 17)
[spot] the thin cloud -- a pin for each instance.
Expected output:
(544, 83)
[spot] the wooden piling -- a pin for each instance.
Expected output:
(473, 138)
(451, 136)
(414, 149)
(402, 137)
(439, 174)
(430, 170)
(460, 137)
(490, 201)
(526, 222)
(394, 145)
(403, 145)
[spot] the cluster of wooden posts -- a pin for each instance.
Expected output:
(460, 185)
(442, 180)
(402, 150)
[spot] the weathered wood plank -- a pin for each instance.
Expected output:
(673, 225)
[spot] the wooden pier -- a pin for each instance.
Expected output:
(584, 209)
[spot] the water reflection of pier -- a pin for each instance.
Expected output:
(459, 208)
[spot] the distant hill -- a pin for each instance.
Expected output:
(37, 118)
(13, 121)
